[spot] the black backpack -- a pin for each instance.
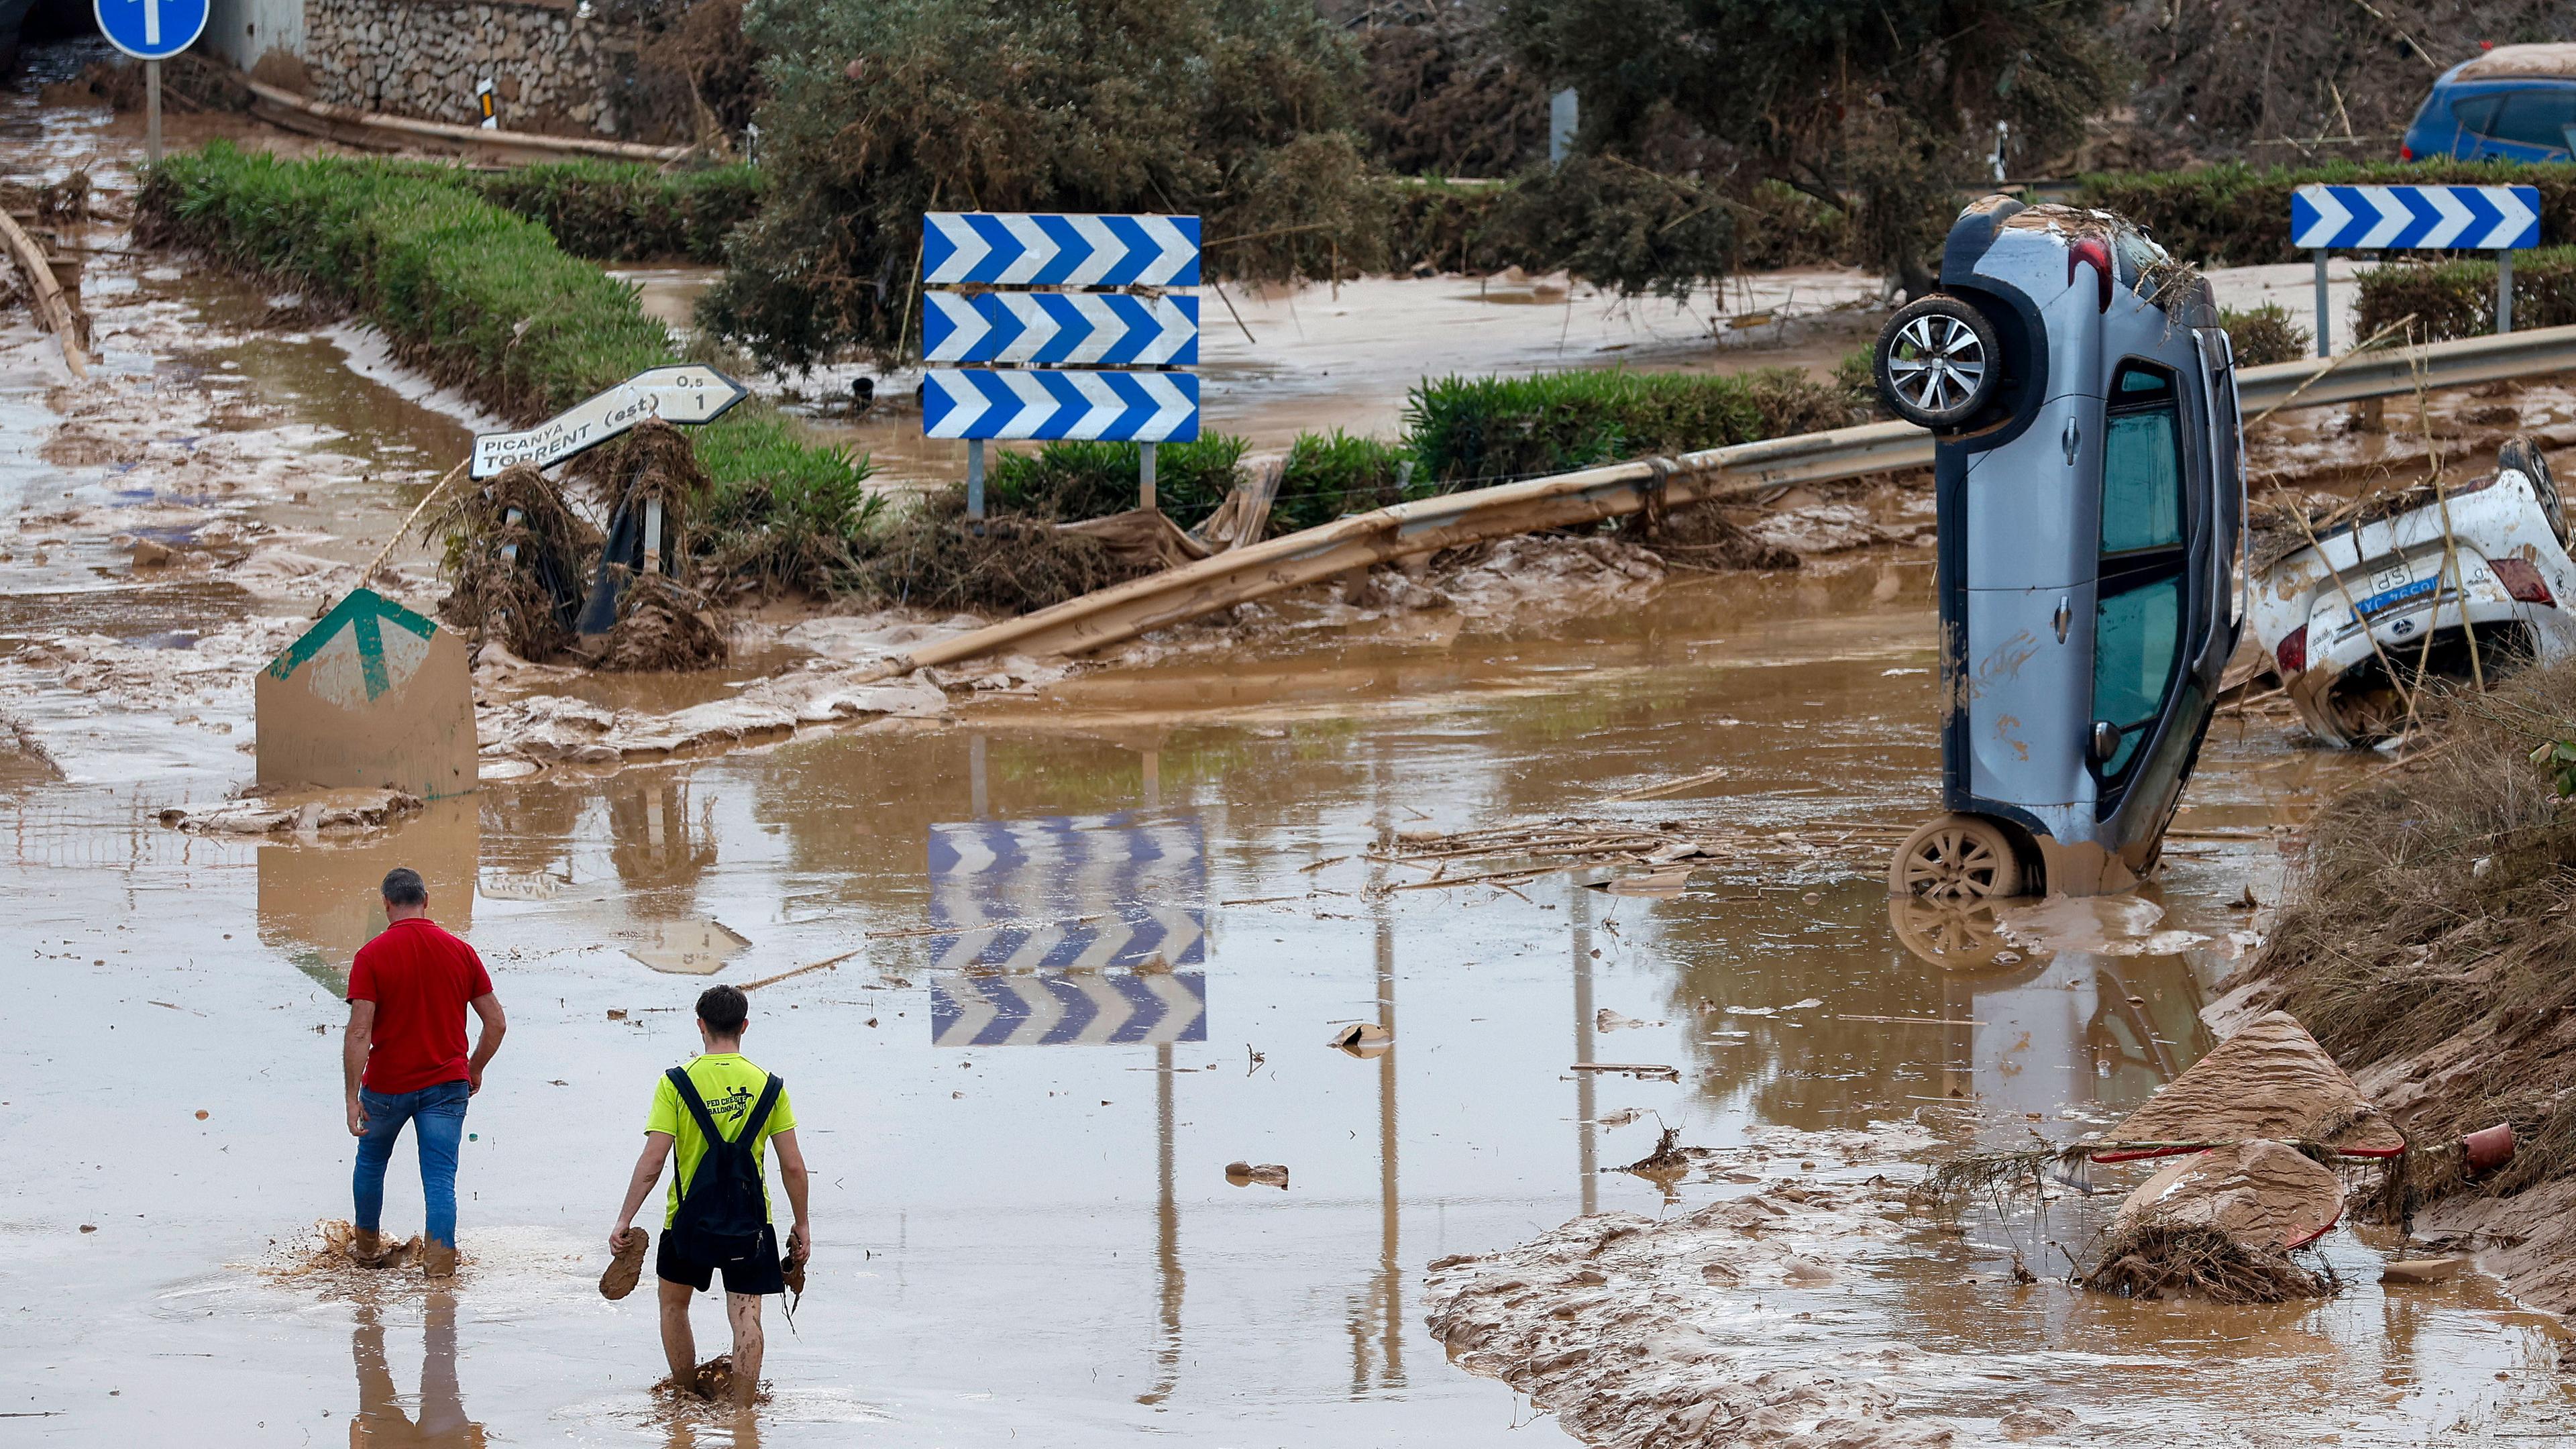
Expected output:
(722, 1209)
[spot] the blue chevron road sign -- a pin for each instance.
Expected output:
(1068, 892)
(1024, 250)
(2402, 218)
(1140, 407)
(1068, 1008)
(1084, 329)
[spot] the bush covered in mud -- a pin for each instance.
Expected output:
(627, 212)
(1471, 431)
(1065, 481)
(2451, 299)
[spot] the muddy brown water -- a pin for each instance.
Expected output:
(1037, 1242)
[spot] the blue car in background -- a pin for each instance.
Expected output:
(2514, 103)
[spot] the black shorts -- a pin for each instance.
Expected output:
(762, 1274)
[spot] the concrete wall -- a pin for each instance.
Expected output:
(551, 68)
(241, 31)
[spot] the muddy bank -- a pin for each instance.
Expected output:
(2426, 943)
(1636, 1332)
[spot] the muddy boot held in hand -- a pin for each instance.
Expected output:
(627, 1267)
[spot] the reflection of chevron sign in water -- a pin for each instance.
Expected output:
(1059, 1008)
(1078, 892)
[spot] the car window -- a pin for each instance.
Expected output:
(2136, 634)
(2142, 463)
(2476, 114)
(2535, 118)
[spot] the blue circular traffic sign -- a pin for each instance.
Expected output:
(151, 29)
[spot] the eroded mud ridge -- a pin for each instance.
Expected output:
(1692, 1330)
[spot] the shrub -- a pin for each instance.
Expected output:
(2265, 334)
(2457, 298)
(1326, 477)
(1064, 482)
(1471, 431)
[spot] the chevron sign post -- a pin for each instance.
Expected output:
(1083, 329)
(1104, 307)
(1141, 407)
(2501, 219)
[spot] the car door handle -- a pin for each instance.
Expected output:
(2073, 438)
(2065, 616)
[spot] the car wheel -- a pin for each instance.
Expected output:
(1938, 363)
(1957, 858)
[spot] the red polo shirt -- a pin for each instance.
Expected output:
(420, 978)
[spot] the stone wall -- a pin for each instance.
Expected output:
(552, 68)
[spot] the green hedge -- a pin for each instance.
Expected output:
(626, 212)
(2232, 214)
(2452, 299)
(1465, 432)
(478, 298)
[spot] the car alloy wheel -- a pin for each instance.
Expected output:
(1937, 362)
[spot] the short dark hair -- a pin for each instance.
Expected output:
(404, 887)
(724, 1010)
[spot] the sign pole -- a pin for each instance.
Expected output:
(1145, 475)
(2504, 292)
(975, 480)
(152, 111)
(2325, 317)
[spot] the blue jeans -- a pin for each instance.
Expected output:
(437, 1115)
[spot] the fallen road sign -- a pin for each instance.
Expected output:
(2403, 218)
(1068, 1008)
(372, 695)
(1085, 329)
(686, 393)
(1018, 249)
(1138, 407)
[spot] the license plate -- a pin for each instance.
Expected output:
(2392, 578)
(2395, 598)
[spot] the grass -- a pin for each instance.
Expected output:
(487, 302)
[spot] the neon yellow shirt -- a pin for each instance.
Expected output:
(730, 1086)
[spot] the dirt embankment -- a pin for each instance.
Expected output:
(2427, 945)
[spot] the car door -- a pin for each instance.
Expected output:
(2139, 604)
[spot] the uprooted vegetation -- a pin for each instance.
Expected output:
(2426, 944)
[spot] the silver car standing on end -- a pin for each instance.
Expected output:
(2091, 494)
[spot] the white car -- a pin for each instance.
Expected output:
(2375, 603)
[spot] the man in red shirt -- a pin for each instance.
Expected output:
(403, 1060)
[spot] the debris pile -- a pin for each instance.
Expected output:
(296, 812)
(1669, 851)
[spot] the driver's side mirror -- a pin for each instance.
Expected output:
(2106, 741)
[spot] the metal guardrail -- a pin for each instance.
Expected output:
(1120, 613)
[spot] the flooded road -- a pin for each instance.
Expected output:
(1025, 1227)
(1087, 945)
